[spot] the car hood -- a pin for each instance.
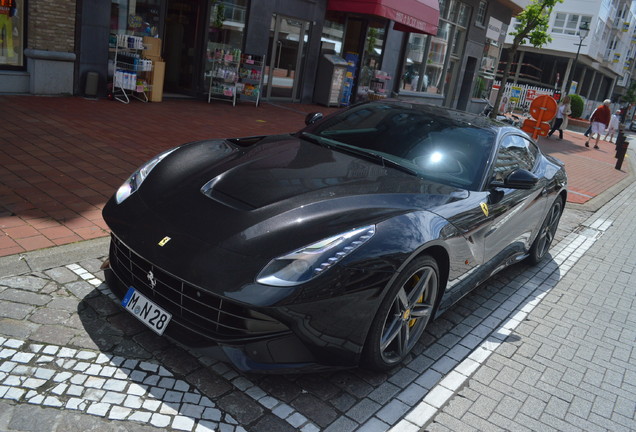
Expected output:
(245, 198)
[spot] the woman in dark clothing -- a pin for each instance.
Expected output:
(561, 119)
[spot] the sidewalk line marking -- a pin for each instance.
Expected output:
(579, 193)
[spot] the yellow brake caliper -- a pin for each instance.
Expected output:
(419, 300)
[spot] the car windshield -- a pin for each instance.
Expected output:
(443, 146)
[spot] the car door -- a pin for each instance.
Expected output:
(514, 214)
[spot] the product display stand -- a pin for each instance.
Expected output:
(128, 78)
(224, 75)
(378, 85)
(250, 78)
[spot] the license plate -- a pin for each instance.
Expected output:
(146, 311)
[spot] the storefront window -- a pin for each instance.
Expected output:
(371, 60)
(430, 61)
(11, 33)
(341, 34)
(227, 23)
(486, 74)
(139, 18)
(490, 59)
(226, 26)
(333, 34)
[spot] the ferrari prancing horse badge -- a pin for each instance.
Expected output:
(484, 208)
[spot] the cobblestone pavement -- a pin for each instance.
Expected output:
(569, 364)
(536, 348)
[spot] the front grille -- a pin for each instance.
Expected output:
(198, 310)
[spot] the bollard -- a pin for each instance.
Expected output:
(620, 139)
(621, 148)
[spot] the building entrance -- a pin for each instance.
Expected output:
(183, 22)
(283, 69)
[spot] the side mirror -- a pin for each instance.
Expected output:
(521, 179)
(312, 118)
(518, 179)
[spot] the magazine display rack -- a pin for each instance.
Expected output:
(129, 79)
(235, 76)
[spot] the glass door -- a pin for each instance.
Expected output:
(287, 42)
(182, 26)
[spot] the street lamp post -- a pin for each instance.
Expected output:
(584, 30)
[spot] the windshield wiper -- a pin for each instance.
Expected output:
(397, 165)
(367, 154)
(317, 140)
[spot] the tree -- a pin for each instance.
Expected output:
(532, 26)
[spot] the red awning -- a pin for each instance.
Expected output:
(417, 16)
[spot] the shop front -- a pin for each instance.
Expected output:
(432, 63)
(195, 34)
(455, 67)
(12, 44)
(367, 35)
(189, 33)
(289, 37)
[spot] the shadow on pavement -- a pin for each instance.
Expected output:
(165, 373)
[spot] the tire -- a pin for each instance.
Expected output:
(403, 315)
(546, 234)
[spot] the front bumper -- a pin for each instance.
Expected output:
(213, 326)
(324, 326)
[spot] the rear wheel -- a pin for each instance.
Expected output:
(546, 235)
(403, 315)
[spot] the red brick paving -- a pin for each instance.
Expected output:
(590, 171)
(62, 158)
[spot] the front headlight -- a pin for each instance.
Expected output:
(133, 182)
(310, 261)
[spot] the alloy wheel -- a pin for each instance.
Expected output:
(548, 230)
(409, 314)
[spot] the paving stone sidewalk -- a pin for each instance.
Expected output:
(570, 365)
(71, 359)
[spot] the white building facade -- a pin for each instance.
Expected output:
(598, 62)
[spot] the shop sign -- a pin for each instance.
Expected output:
(573, 87)
(494, 29)
(515, 94)
(410, 21)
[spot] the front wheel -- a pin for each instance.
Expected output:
(403, 315)
(547, 232)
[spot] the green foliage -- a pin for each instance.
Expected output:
(219, 15)
(576, 104)
(532, 23)
(372, 38)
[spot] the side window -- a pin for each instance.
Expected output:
(515, 152)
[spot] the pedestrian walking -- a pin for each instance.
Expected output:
(613, 125)
(600, 120)
(561, 119)
(589, 129)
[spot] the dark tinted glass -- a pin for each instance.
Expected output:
(515, 152)
(445, 146)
